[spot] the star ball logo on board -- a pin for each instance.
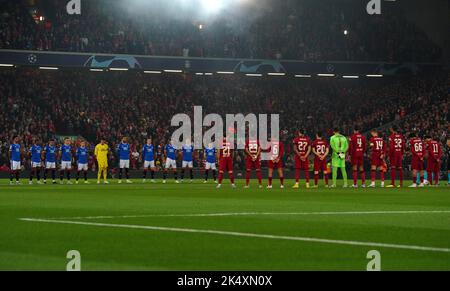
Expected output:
(236, 127)
(32, 58)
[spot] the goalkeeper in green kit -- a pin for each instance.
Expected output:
(339, 144)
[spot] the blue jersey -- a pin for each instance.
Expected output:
(82, 155)
(123, 150)
(36, 151)
(148, 152)
(171, 151)
(15, 152)
(187, 153)
(66, 151)
(210, 155)
(50, 154)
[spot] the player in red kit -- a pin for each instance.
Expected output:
(357, 148)
(378, 152)
(276, 152)
(226, 162)
(253, 161)
(434, 153)
(302, 149)
(417, 148)
(320, 149)
(396, 150)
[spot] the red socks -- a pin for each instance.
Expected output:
(393, 176)
(258, 175)
(355, 177)
(316, 179)
(401, 177)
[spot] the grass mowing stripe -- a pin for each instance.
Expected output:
(243, 234)
(255, 214)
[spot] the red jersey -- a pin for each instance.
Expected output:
(302, 144)
(320, 146)
(252, 146)
(357, 145)
(434, 150)
(225, 150)
(378, 146)
(276, 150)
(417, 147)
(396, 144)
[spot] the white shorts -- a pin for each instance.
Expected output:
(50, 165)
(149, 164)
(35, 165)
(15, 166)
(171, 164)
(124, 164)
(187, 164)
(82, 167)
(211, 166)
(66, 165)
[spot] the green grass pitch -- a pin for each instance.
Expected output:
(197, 227)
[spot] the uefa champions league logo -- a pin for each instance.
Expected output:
(236, 126)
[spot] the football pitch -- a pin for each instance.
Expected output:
(197, 227)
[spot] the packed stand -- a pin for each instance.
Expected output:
(303, 30)
(91, 105)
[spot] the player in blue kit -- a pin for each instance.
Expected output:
(187, 163)
(210, 161)
(15, 157)
(49, 155)
(35, 153)
(65, 153)
(82, 156)
(170, 153)
(148, 156)
(123, 151)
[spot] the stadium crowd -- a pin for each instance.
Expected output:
(91, 105)
(303, 30)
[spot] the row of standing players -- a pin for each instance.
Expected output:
(352, 149)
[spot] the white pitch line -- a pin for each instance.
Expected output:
(244, 234)
(256, 214)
